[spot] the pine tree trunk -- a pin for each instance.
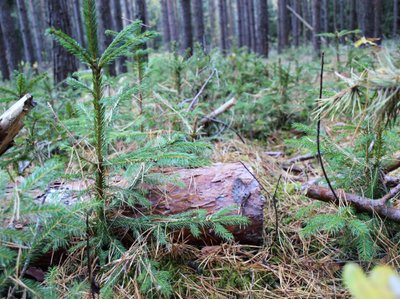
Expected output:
(251, 24)
(378, 6)
(341, 18)
(213, 22)
(25, 30)
(247, 34)
(187, 41)
(34, 13)
(316, 12)
(165, 23)
(5, 73)
(105, 23)
(395, 17)
(231, 21)
(295, 4)
(353, 15)
(262, 28)
(141, 14)
(367, 17)
(173, 23)
(223, 25)
(198, 21)
(118, 26)
(11, 41)
(63, 62)
(80, 36)
(241, 23)
(283, 32)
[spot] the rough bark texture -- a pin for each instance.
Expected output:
(36, 31)
(198, 21)
(11, 121)
(118, 26)
(241, 23)
(78, 25)
(251, 24)
(173, 22)
(10, 39)
(105, 23)
(26, 32)
(187, 41)
(210, 188)
(316, 12)
(63, 62)
(295, 22)
(367, 17)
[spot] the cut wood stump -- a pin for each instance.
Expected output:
(11, 121)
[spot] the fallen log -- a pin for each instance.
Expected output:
(210, 188)
(363, 204)
(11, 121)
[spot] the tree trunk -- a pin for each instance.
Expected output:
(187, 41)
(165, 23)
(283, 32)
(63, 62)
(223, 25)
(118, 25)
(213, 23)
(34, 13)
(341, 18)
(378, 18)
(295, 4)
(198, 21)
(395, 17)
(25, 30)
(141, 14)
(251, 25)
(241, 23)
(80, 36)
(262, 28)
(105, 23)
(173, 23)
(367, 17)
(353, 15)
(5, 73)
(316, 12)
(10, 37)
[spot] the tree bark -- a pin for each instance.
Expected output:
(316, 12)
(223, 25)
(11, 121)
(36, 31)
(341, 18)
(353, 15)
(141, 14)
(378, 7)
(173, 23)
(241, 23)
(283, 31)
(5, 73)
(105, 23)
(198, 21)
(187, 41)
(367, 17)
(295, 4)
(25, 30)
(63, 62)
(262, 28)
(213, 23)
(395, 17)
(118, 26)
(251, 24)
(211, 188)
(10, 37)
(80, 36)
(165, 23)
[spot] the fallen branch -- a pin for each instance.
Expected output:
(221, 109)
(11, 121)
(377, 206)
(196, 97)
(301, 158)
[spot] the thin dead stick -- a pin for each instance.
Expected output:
(196, 97)
(301, 158)
(221, 109)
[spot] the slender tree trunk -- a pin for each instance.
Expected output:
(198, 21)
(165, 23)
(213, 22)
(341, 18)
(367, 17)
(251, 24)
(241, 23)
(295, 4)
(395, 17)
(118, 25)
(25, 29)
(223, 25)
(262, 28)
(283, 32)
(5, 73)
(231, 21)
(187, 41)
(36, 31)
(141, 14)
(378, 7)
(173, 22)
(76, 5)
(63, 62)
(247, 33)
(353, 15)
(316, 12)
(10, 35)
